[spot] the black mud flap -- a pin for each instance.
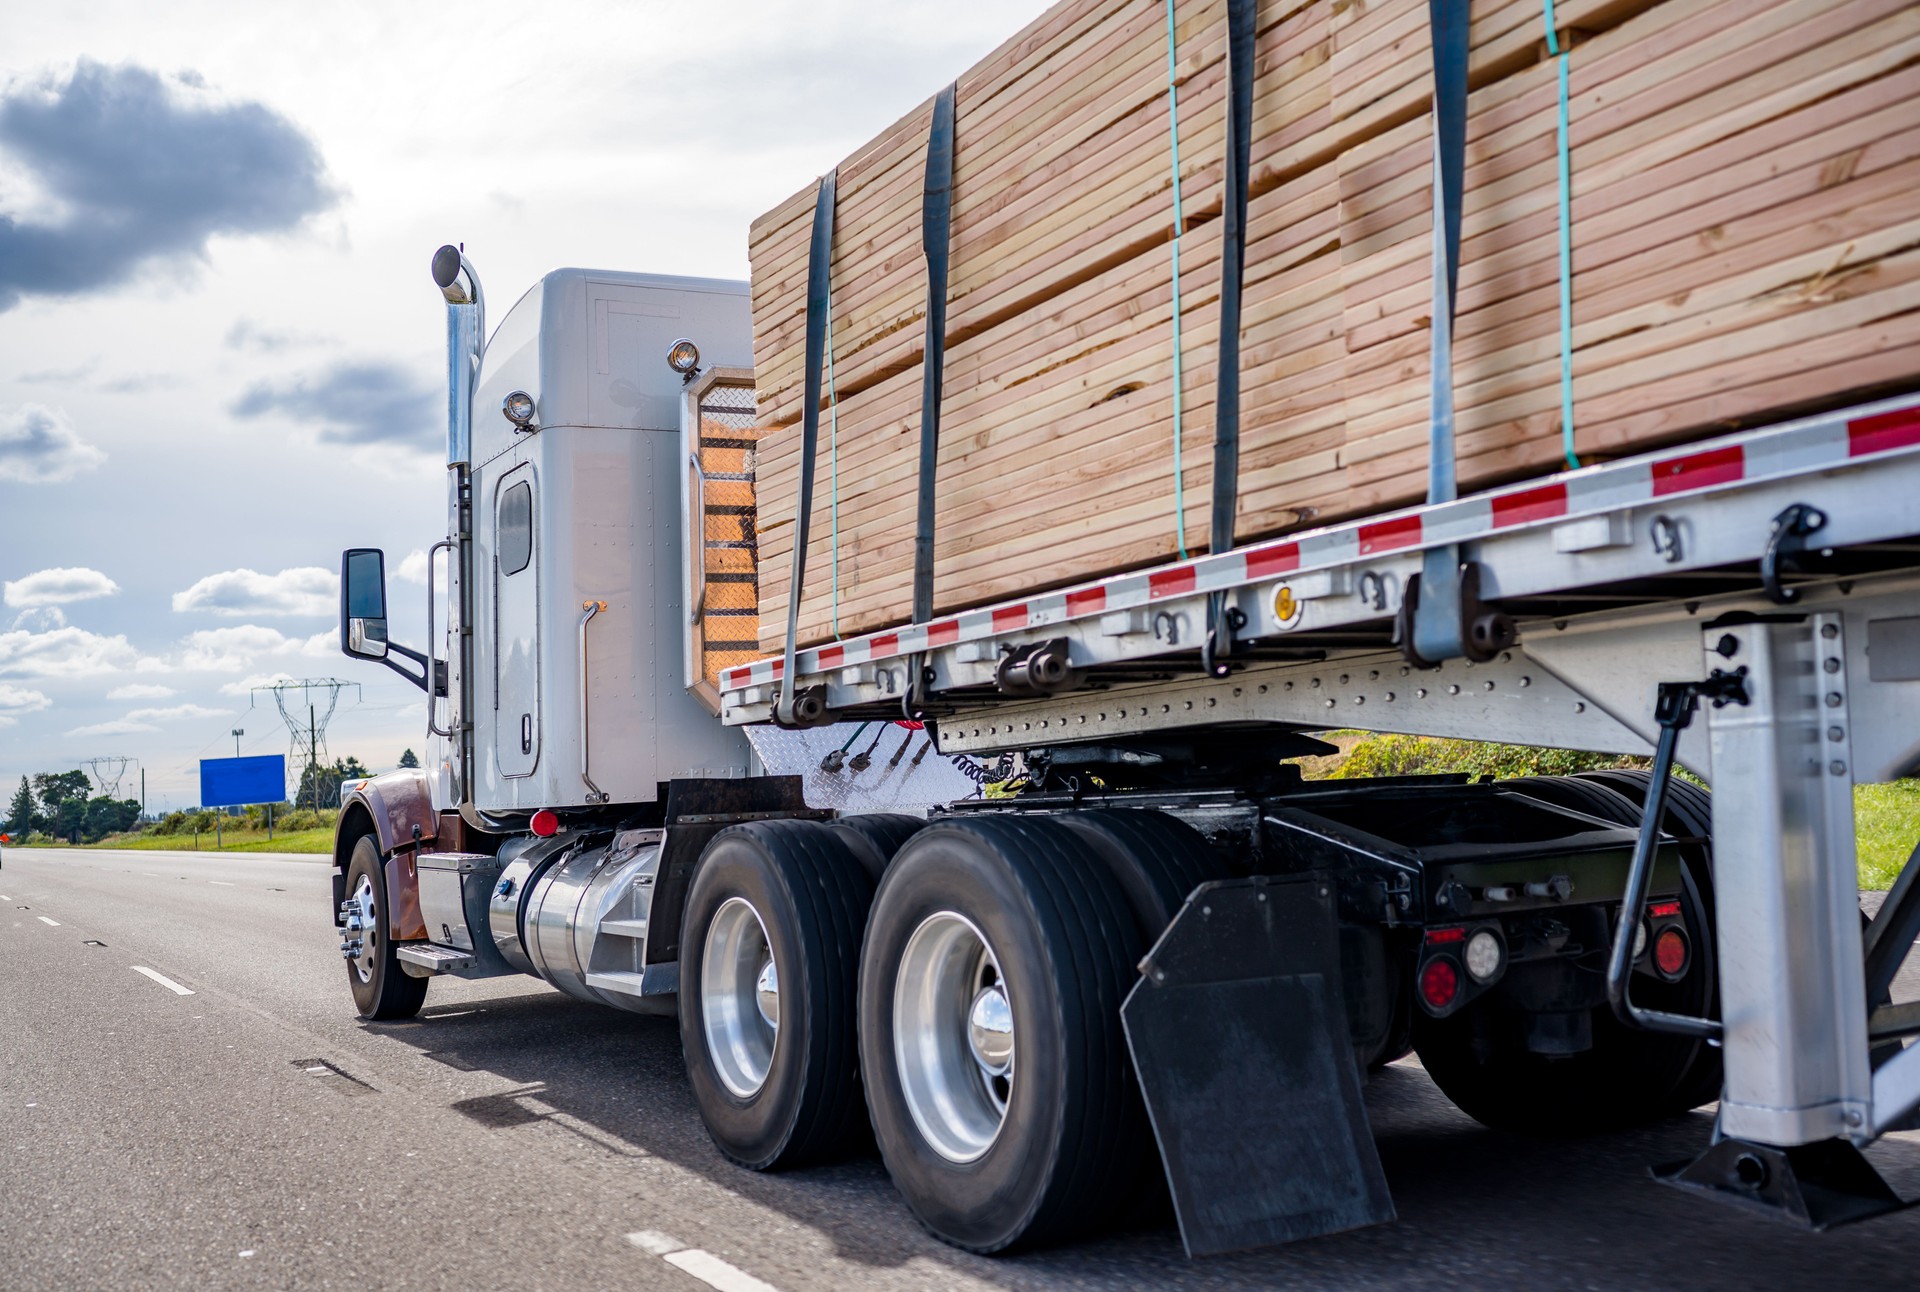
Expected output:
(1239, 1035)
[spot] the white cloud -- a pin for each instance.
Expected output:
(38, 445)
(239, 648)
(303, 590)
(69, 652)
(16, 700)
(140, 691)
(58, 586)
(40, 619)
(118, 727)
(175, 713)
(414, 568)
(246, 684)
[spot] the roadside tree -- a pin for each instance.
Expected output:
(23, 814)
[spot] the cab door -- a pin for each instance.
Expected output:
(516, 622)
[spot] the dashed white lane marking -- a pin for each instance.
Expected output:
(716, 1273)
(223, 883)
(163, 980)
(703, 1265)
(44, 920)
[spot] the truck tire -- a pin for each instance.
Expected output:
(769, 979)
(382, 990)
(875, 836)
(1003, 1100)
(1628, 1077)
(1156, 859)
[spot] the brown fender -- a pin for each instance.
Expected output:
(390, 807)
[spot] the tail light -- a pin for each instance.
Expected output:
(544, 823)
(1670, 953)
(1439, 983)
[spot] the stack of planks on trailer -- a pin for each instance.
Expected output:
(1745, 242)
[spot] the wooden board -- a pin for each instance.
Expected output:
(1746, 245)
(1062, 162)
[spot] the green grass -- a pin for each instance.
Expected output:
(1886, 821)
(318, 840)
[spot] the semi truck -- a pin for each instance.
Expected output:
(1153, 950)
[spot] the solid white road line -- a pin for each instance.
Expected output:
(44, 920)
(703, 1265)
(163, 980)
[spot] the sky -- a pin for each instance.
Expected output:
(220, 350)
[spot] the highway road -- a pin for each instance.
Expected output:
(187, 1099)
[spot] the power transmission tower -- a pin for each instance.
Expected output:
(107, 772)
(306, 707)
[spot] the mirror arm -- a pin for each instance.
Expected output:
(418, 679)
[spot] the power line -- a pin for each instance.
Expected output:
(107, 771)
(306, 706)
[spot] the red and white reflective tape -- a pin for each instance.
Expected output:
(1795, 448)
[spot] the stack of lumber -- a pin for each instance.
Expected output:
(1743, 225)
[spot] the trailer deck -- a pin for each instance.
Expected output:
(1671, 528)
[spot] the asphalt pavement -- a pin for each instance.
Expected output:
(187, 1099)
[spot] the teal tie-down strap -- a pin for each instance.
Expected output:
(1564, 163)
(1179, 227)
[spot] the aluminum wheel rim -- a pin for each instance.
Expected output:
(953, 1036)
(742, 1026)
(369, 935)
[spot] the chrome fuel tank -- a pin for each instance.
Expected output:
(578, 918)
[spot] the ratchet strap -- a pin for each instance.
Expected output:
(1441, 615)
(791, 710)
(936, 225)
(936, 229)
(1241, 24)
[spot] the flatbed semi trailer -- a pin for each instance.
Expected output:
(1155, 950)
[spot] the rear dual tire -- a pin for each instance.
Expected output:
(774, 905)
(986, 999)
(998, 954)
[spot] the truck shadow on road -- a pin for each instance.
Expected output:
(1473, 1204)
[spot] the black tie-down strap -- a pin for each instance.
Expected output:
(1441, 615)
(1224, 620)
(796, 707)
(936, 230)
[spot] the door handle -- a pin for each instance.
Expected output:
(595, 794)
(526, 733)
(434, 666)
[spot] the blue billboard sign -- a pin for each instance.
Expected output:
(234, 782)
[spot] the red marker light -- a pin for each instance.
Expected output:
(1670, 953)
(1455, 934)
(1664, 910)
(544, 823)
(1439, 983)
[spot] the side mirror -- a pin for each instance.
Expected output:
(363, 603)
